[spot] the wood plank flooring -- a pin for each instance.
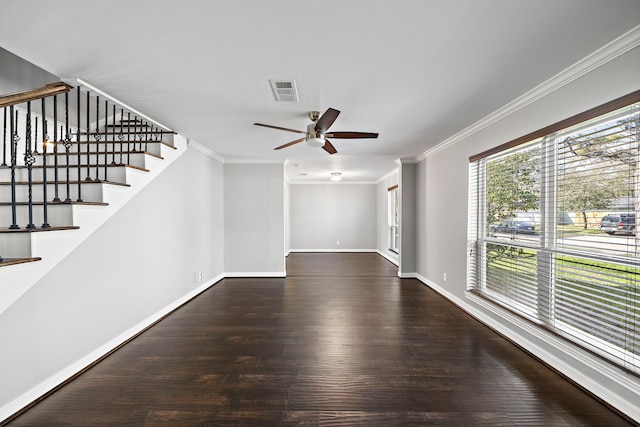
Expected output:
(341, 341)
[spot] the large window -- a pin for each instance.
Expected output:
(393, 218)
(552, 229)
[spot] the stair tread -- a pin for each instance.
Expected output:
(166, 144)
(91, 165)
(117, 141)
(36, 230)
(110, 153)
(14, 261)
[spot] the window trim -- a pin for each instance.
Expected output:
(391, 225)
(476, 241)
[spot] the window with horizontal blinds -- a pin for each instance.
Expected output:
(393, 218)
(552, 231)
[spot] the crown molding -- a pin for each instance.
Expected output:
(204, 150)
(406, 160)
(610, 51)
(253, 161)
(395, 171)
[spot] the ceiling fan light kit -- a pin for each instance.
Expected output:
(316, 134)
(315, 142)
(314, 138)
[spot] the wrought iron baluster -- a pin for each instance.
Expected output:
(35, 138)
(97, 137)
(121, 136)
(113, 136)
(67, 145)
(138, 135)
(4, 140)
(56, 196)
(14, 148)
(146, 136)
(78, 151)
(106, 137)
(45, 140)
(88, 178)
(29, 160)
(129, 139)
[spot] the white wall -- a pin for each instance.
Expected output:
(323, 214)
(443, 179)
(287, 218)
(254, 220)
(137, 265)
(408, 220)
(382, 221)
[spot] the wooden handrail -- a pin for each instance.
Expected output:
(31, 95)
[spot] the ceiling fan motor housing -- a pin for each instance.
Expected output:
(315, 138)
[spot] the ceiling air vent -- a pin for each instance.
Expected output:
(284, 90)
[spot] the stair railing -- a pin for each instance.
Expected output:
(93, 144)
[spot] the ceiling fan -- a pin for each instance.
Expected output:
(316, 134)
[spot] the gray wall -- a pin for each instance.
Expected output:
(323, 214)
(287, 218)
(408, 220)
(254, 219)
(443, 249)
(140, 261)
(19, 75)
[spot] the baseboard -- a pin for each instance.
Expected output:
(333, 250)
(407, 275)
(74, 369)
(623, 397)
(388, 257)
(256, 274)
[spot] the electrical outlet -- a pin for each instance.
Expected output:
(197, 277)
(338, 243)
(444, 276)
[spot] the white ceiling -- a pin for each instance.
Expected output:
(415, 71)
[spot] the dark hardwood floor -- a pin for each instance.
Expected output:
(340, 342)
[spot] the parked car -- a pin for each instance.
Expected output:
(623, 223)
(513, 227)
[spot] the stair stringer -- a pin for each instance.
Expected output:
(54, 246)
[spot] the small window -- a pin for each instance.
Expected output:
(393, 219)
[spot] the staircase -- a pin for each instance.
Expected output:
(64, 175)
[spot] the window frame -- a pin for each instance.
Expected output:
(479, 238)
(393, 219)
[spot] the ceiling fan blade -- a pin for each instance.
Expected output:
(352, 135)
(328, 147)
(279, 128)
(290, 143)
(326, 120)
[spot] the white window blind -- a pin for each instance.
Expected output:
(393, 218)
(552, 230)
